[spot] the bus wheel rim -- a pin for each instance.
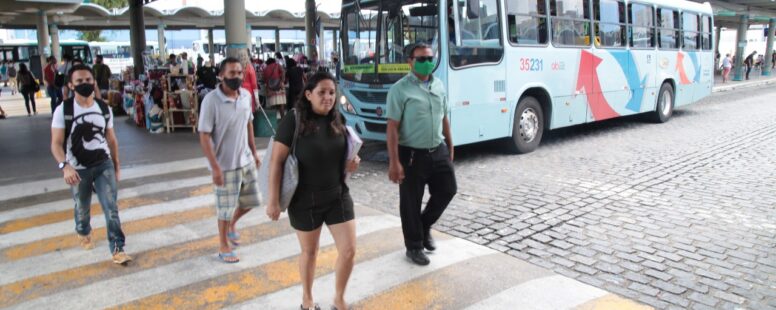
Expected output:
(666, 102)
(529, 125)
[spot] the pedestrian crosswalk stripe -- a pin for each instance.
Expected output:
(373, 276)
(225, 290)
(14, 191)
(67, 227)
(566, 294)
(96, 208)
(124, 289)
(123, 193)
(50, 273)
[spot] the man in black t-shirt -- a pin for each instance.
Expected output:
(749, 63)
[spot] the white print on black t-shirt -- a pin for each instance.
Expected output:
(88, 139)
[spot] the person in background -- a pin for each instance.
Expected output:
(336, 65)
(260, 66)
(4, 72)
(200, 61)
(773, 60)
(207, 76)
(64, 68)
(27, 84)
(274, 81)
(727, 65)
(296, 81)
(12, 73)
(249, 79)
(749, 63)
(49, 77)
(280, 60)
(101, 74)
(186, 66)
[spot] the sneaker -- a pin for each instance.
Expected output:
(86, 241)
(120, 257)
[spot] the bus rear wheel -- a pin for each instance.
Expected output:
(528, 126)
(665, 104)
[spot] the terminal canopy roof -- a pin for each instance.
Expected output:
(73, 14)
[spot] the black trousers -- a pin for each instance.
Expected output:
(29, 97)
(748, 70)
(421, 168)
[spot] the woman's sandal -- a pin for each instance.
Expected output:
(234, 238)
(315, 307)
(226, 256)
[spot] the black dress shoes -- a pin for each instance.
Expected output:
(428, 241)
(418, 257)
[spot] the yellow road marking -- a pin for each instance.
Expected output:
(35, 287)
(612, 302)
(68, 241)
(249, 283)
(96, 209)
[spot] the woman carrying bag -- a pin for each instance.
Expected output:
(275, 80)
(28, 86)
(319, 144)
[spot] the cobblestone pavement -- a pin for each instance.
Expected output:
(677, 215)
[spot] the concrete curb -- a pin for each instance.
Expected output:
(726, 88)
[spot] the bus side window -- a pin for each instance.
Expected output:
(527, 23)
(479, 31)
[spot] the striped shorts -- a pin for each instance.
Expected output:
(240, 189)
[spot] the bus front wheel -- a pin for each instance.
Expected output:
(665, 104)
(528, 126)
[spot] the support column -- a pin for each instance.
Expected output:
(137, 35)
(277, 40)
(162, 43)
(717, 35)
(769, 48)
(234, 19)
(211, 46)
(743, 26)
(43, 45)
(335, 42)
(249, 37)
(309, 28)
(55, 49)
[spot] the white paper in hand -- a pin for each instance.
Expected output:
(354, 146)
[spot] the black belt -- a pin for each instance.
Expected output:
(424, 150)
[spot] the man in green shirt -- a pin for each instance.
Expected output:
(420, 148)
(102, 75)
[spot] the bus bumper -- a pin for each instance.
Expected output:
(369, 128)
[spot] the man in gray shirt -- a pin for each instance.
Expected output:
(226, 137)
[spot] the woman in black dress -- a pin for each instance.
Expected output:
(322, 195)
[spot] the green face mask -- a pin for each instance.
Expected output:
(424, 67)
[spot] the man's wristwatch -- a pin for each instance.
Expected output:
(62, 165)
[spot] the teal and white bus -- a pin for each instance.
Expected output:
(22, 50)
(517, 68)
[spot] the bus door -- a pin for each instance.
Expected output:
(477, 76)
(613, 68)
(570, 61)
(641, 25)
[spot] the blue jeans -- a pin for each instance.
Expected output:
(103, 176)
(55, 93)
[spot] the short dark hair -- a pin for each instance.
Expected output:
(418, 46)
(229, 60)
(79, 68)
(99, 57)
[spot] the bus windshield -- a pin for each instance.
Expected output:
(379, 33)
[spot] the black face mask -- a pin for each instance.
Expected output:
(84, 89)
(234, 83)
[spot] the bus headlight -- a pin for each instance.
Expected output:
(346, 104)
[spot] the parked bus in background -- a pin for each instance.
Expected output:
(22, 51)
(118, 55)
(514, 69)
(288, 47)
